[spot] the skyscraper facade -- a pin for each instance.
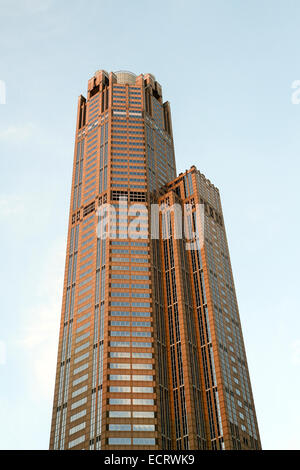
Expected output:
(151, 353)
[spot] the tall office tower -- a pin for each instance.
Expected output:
(210, 393)
(150, 354)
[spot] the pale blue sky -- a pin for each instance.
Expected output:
(227, 69)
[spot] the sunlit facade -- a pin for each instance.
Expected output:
(151, 354)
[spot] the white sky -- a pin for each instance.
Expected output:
(227, 69)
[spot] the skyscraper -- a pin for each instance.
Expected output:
(151, 354)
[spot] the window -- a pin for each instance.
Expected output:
(140, 314)
(119, 365)
(78, 403)
(119, 354)
(80, 348)
(143, 441)
(119, 401)
(80, 338)
(84, 317)
(120, 333)
(143, 427)
(82, 309)
(119, 313)
(80, 379)
(120, 389)
(141, 345)
(84, 299)
(119, 377)
(143, 414)
(81, 368)
(142, 355)
(79, 391)
(77, 428)
(142, 366)
(76, 441)
(142, 377)
(82, 327)
(120, 414)
(119, 427)
(143, 401)
(142, 389)
(78, 415)
(119, 440)
(141, 333)
(119, 344)
(120, 323)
